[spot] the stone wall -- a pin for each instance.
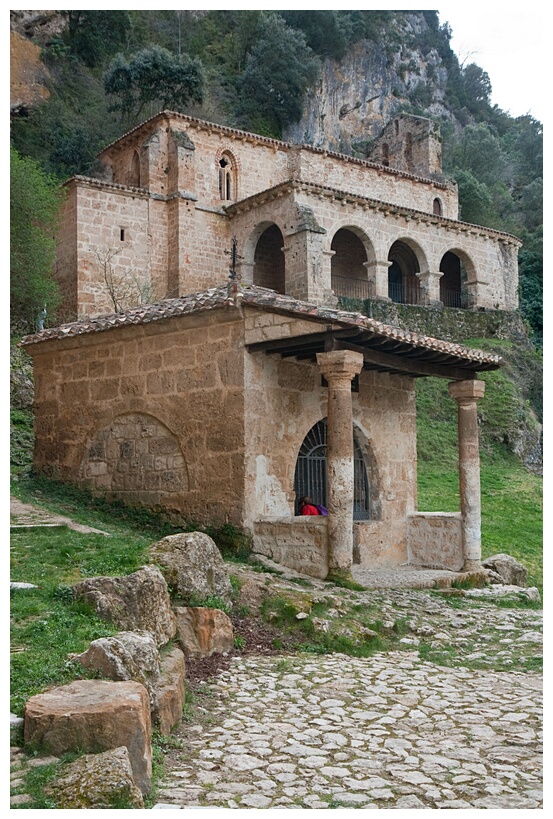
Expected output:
(446, 323)
(299, 543)
(137, 459)
(109, 406)
(380, 544)
(362, 178)
(434, 540)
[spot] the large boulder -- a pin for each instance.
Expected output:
(170, 691)
(97, 781)
(136, 602)
(505, 569)
(202, 631)
(94, 715)
(128, 655)
(193, 566)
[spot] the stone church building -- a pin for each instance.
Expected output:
(227, 399)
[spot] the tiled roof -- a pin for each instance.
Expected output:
(231, 295)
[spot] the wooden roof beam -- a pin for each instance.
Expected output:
(409, 366)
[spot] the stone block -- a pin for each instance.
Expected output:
(92, 715)
(137, 602)
(170, 691)
(202, 631)
(192, 565)
(125, 656)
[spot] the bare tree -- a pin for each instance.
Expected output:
(124, 287)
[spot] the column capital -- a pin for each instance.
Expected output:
(466, 392)
(340, 364)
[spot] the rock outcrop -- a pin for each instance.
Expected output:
(97, 781)
(193, 566)
(505, 569)
(137, 602)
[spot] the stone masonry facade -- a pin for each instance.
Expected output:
(179, 406)
(175, 190)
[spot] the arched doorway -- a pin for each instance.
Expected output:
(310, 476)
(453, 284)
(269, 270)
(403, 283)
(348, 265)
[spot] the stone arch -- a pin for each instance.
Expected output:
(407, 261)
(137, 459)
(227, 175)
(351, 255)
(310, 471)
(264, 252)
(458, 283)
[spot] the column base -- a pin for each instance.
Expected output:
(473, 566)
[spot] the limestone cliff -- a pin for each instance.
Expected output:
(359, 94)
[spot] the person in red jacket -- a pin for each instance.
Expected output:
(307, 507)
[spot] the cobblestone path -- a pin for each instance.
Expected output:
(389, 731)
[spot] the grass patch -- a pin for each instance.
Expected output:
(512, 508)
(114, 516)
(43, 632)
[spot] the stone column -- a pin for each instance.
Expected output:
(467, 393)
(339, 367)
(430, 287)
(378, 279)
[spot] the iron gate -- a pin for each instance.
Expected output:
(310, 476)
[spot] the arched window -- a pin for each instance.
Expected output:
(437, 207)
(385, 154)
(310, 477)
(227, 181)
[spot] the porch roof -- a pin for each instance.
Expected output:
(385, 348)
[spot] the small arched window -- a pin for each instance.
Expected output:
(227, 181)
(437, 207)
(385, 154)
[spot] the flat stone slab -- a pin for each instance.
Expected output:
(404, 578)
(25, 516)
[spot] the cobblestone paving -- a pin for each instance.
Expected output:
(389, 731)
